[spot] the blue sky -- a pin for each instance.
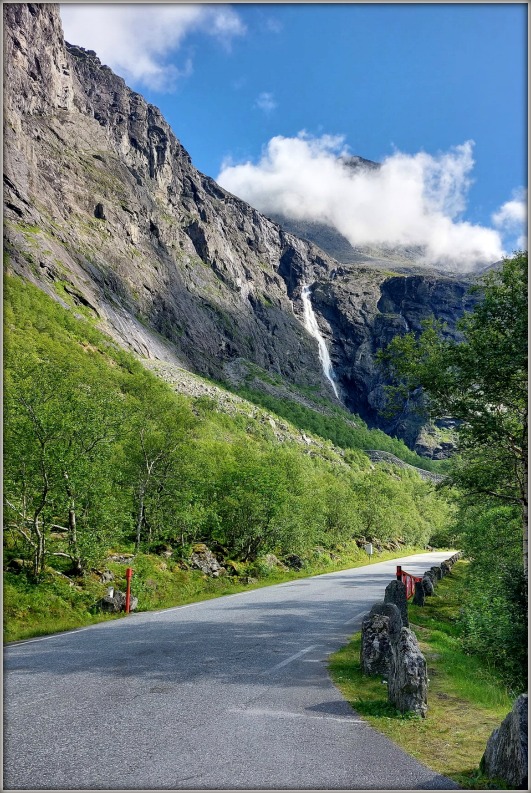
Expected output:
(436, 90)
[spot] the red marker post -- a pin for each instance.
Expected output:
(128, 576)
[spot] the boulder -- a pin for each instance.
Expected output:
(203, 559)
(99, 212)
(272, 561)
(115, 603)
(395, 592)
(408, 681)
(375, 649)
(506, 752)
(294, 561)
(427, 585)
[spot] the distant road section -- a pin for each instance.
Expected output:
(232, 693)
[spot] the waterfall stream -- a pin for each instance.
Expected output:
(310, 323)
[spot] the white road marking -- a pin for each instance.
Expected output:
(290, 659)
(49, 636)
(356, 617)
(291, 715)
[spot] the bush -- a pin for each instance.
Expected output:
(493, 622)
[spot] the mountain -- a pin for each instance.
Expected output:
(104, 211)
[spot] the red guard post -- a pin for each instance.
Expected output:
(398, 573)
(128, 576)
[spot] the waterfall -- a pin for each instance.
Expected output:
(310, 323)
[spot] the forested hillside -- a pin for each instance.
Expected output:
(101, 455)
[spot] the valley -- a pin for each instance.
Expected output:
(221, 403)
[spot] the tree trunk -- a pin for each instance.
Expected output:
(72, 528)
(38, 549)
(72, 540)
(140, 518)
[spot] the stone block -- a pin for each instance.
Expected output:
(375, 649)
(506, 752)
(395, 592)
(391, 611)
(420, 596)
(408, 682)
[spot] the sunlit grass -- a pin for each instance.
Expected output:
(466, 702)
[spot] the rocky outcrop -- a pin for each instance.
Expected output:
(105, 212)
(365, 308)
(203, 559)
(506, 753)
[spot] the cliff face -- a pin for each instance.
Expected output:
(105, 212)
(102, 201)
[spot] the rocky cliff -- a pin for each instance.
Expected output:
(105, 211)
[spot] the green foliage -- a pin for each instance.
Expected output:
(482, 381)
(54, 605)
(342, 429)
(100, 454)
(493, 621)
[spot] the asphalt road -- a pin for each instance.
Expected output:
(232, 693)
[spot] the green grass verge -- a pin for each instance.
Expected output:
(54, 605)
(466, 701)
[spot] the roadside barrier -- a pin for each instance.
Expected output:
(128, 576)
(408, 580)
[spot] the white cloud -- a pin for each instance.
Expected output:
(413, 200)
(138, 41)
(511, 220)
(266, 102)
(274, 25)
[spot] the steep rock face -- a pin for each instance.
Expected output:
(103, 204)
(105, 212)
(365, 309)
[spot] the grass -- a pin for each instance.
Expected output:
(54, 605)
(466, 701)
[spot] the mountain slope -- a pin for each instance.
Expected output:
(105, 211)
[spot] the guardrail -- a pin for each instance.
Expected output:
(408, 580)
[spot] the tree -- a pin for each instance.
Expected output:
(159, 424)
(61, 420)
(481, 380)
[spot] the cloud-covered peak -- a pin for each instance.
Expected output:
(137, 41)
(409, 200)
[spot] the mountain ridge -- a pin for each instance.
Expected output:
(105, 211)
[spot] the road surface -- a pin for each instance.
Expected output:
(231, 693)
